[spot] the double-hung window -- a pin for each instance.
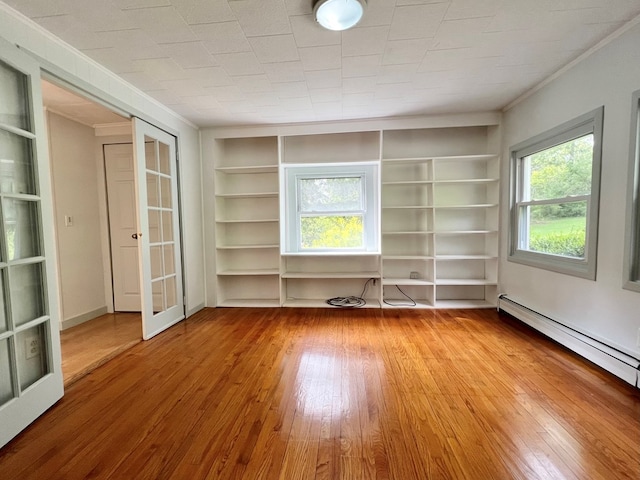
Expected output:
(555, 182)
(632, 240)
(330, 208)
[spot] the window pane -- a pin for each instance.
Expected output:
(6, 385)
(27, 292)
(321, 232)
(558, 229)
(560, 171)
(16, 164)
(330, 194)
(151, 160)
(14, 107)
(32, 356)
(21, 227)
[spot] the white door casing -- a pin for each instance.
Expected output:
(30, 361)
(160, 256)
(123, 225)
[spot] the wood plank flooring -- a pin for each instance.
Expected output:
(303, 394)
(90, 344)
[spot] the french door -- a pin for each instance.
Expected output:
(158, 228)
(30, 362)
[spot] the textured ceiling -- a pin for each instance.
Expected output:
(233, 62)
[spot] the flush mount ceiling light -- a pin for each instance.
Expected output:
(338, 14)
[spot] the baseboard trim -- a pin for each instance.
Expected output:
(612, 360)
(85, 317)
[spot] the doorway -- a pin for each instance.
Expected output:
(94, 327)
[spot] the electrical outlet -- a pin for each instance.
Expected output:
(32, 347)
(414, 275)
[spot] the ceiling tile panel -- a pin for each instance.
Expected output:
(320, 58)
(189, 54)
(274, 48)
(162, 24)
(284, 72)
(324, 78)
(323, 95)
(364, 41)
(405, 51)
(361, 66)
(253, 83)
(244, 63)
(291, 89)
(195, 12)
(224, 37)
(264, 17)
(417, 21)
(308, 33)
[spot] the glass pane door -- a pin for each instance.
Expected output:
(30, 364)
(161, 270)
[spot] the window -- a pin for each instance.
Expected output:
(632, 238)
(330, 208)
(555, 191)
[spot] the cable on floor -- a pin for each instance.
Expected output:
(412, 304)
(351, 302)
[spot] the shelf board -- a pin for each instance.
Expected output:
(250, 302)
(463, 232)
(466, 158)
(466, 257)
(466, 181)
(406, 281)
(331, 275)
(322, 303)
(464, 304)
(247, 247)
(266, 271)
(464, 281)
(409, 232)
(262, 220)
(409, 182)
(407, 257)
(407, 160)
(408, 207)
(247, 195)
(470, 205)
(248, 169)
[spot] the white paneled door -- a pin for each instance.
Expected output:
(30, 363)
(158, 228)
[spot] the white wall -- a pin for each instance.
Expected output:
(75, 190)
(601, 308)
(58, 58)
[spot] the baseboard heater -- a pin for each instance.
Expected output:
(613, 360)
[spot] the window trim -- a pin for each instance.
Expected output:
(290, 213)
(591, 122)
(631, 268)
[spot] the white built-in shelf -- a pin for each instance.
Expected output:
(407, 257)
(260, 220)
(250, 302)
(249, 169)
(463, 232)
(466, 206)
(248, 195)
(405, 281)
(244, 247)
(407, 207)
(266, 271)
(466, 158)
(330, 275)
(409, 182)
(322, 303)
(465, 281)
(465, 257)
(407, 160)
(409, 232)
(465, 181)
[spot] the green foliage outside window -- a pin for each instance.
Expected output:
(324, 232)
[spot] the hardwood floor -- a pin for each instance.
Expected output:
(328, 394)
(90, 344)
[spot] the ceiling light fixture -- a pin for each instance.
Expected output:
(338, 14)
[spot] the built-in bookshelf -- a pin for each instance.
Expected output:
(439, 191)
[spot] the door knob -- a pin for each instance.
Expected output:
(135, 236)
